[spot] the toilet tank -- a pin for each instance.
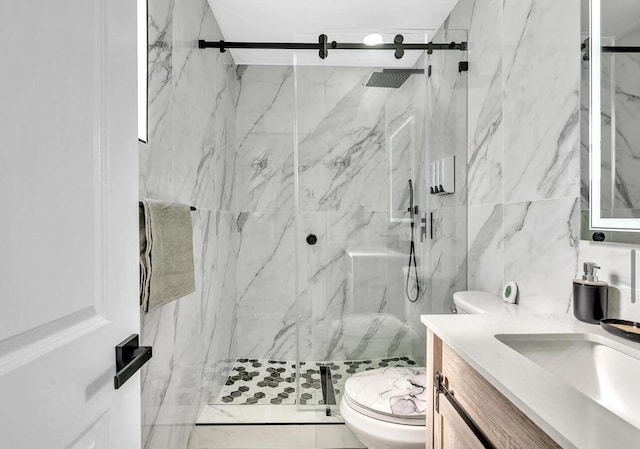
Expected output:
(484, 302)
(478, 302)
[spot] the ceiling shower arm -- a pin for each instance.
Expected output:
(324, 45)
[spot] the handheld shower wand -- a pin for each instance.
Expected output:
(413, 212)
(411, 209)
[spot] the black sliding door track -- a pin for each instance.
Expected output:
(323, 46)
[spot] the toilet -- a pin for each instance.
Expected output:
(385, 407)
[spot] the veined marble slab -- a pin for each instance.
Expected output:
(190, 144)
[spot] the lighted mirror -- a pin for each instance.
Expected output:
(611, 120)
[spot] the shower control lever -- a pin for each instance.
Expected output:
(423, 227)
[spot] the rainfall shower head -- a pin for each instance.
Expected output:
(392, 78)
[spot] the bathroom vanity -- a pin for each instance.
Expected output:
(495, 417)
(529, 381)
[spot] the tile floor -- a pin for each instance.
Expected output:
(331, 436)
(273, 382)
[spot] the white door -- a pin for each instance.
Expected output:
(68, 223)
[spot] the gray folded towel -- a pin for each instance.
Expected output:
(166, 253)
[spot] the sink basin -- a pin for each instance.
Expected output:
(589, 364)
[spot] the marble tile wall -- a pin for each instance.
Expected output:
(444, 254)
(192, 100)
(264, 204)
(524, 156)
(263, 174)
(523, 161)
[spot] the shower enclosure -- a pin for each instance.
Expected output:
(332, 175)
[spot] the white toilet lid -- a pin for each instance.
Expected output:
(393, 394)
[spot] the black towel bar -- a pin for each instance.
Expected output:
(190, 207)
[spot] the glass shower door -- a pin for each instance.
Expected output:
(357, 148)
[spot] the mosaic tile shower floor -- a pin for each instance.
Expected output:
(272, 382)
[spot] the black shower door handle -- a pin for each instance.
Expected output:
(130, 357)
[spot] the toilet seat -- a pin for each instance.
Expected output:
(394, 394)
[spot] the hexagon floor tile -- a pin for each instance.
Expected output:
(270, 382)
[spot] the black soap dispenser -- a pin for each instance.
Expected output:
(590, 296)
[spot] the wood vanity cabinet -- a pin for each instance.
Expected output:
(491, 419)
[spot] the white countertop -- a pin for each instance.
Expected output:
(571, 418)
